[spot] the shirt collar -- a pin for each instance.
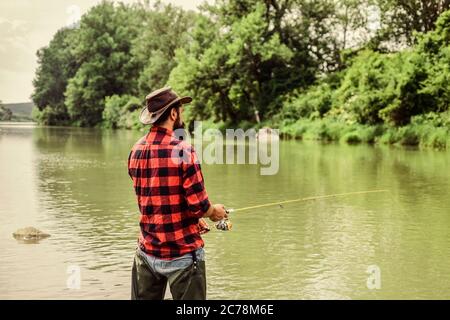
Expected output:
(161, 130)
(159, 135)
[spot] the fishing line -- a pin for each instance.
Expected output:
(280, 203)
(225, 224)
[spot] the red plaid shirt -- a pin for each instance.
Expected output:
(171, 195)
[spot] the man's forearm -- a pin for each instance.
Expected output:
(209, 212)
(216, 212)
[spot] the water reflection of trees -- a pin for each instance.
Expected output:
(84, 185)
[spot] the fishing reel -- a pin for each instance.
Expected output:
(225, 224)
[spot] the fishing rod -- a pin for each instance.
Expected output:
(226, 225)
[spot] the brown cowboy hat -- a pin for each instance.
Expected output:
(159, 101)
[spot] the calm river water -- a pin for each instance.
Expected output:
(73, 184)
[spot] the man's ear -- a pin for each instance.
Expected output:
(173, 114)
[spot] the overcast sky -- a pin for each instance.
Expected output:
(26, 26)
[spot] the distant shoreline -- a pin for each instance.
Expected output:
(21, 112)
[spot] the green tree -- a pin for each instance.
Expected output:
(401, 19)
(247, 54)
(102, 47)
(424, 84)
(165, 29)
(436, 46)
(122, 112)
(352, 19)
(56, 66)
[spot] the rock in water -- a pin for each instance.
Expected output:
(30, 233)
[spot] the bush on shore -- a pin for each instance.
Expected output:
(423, 135)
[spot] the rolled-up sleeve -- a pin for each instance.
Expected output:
(193, 185)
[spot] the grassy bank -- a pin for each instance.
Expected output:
(430, 131)
(421, 135)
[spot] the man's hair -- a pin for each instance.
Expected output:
(166, 114)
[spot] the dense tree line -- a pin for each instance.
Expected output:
(358, 61)
(117, 51)
(384, 88)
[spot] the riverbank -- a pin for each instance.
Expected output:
(424, 132)
(423, 135)
(417, 135)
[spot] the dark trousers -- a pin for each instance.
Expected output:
(186, 278)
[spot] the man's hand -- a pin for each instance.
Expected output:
(203, 226)
(216, 212)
